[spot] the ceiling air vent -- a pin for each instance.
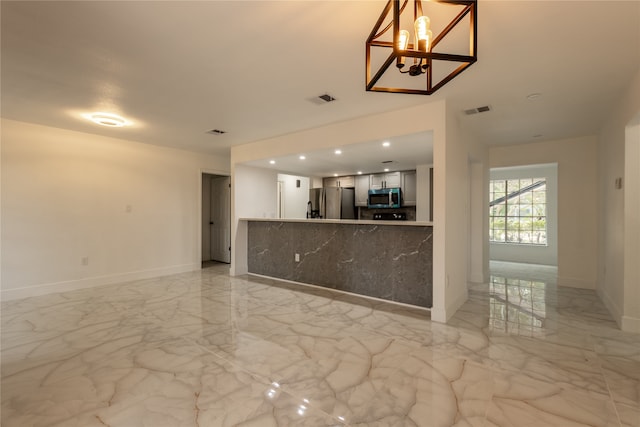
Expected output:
(327, 98)
(322, 99)
(477, 110)
(217, 132)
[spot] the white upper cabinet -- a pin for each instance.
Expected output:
(339, 181)
(385, 180)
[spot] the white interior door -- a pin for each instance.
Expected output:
(220, 222)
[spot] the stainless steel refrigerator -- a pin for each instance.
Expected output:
(331, 203)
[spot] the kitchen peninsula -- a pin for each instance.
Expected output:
(390, 260)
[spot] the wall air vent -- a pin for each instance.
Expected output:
(477, 110)
(217, 132)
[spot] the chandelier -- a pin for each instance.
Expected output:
(422, 55)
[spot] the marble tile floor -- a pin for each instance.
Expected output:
(206, 349)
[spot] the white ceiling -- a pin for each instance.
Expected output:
(403, 153)
(178, 69)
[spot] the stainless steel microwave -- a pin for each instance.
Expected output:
(384, 198)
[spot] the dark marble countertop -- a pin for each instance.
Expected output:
(344, 221)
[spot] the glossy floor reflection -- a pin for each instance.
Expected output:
(206, 349)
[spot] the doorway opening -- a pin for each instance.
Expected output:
(216, 220)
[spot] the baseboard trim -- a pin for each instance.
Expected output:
(630, 324)
(91, 282)
(443, 315)
(572, 282)
(613, 308)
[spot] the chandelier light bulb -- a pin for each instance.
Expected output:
(423, 33)
(403, 39)
(403, 43)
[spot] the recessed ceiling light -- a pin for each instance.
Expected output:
(386, 144)
(534, 95)
(107, 119)
(217, 132)
(386, 169)
(335, 174)
(338, 151)
(359, 172)
(273, 162)
(302, 157)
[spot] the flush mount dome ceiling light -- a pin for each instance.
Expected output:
(426, 59)
(107, 119)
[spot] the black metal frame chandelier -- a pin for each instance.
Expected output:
(421, 52)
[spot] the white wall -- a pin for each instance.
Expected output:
(612, 256)
(295, 198)
(131, 210)
(451, 217)
(478, 222)
(631, 183)
(577, 161)
(479, 212)
(532, 254)
(253, 195)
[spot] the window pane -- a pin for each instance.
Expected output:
(526, 210)
(526, 197)
(539, 224)
(539, 196)
(525, 224)
(520, 218)
(539, 210)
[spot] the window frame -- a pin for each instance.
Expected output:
(508, 214)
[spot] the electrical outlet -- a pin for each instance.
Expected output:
(297, 257)
(84, 260)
